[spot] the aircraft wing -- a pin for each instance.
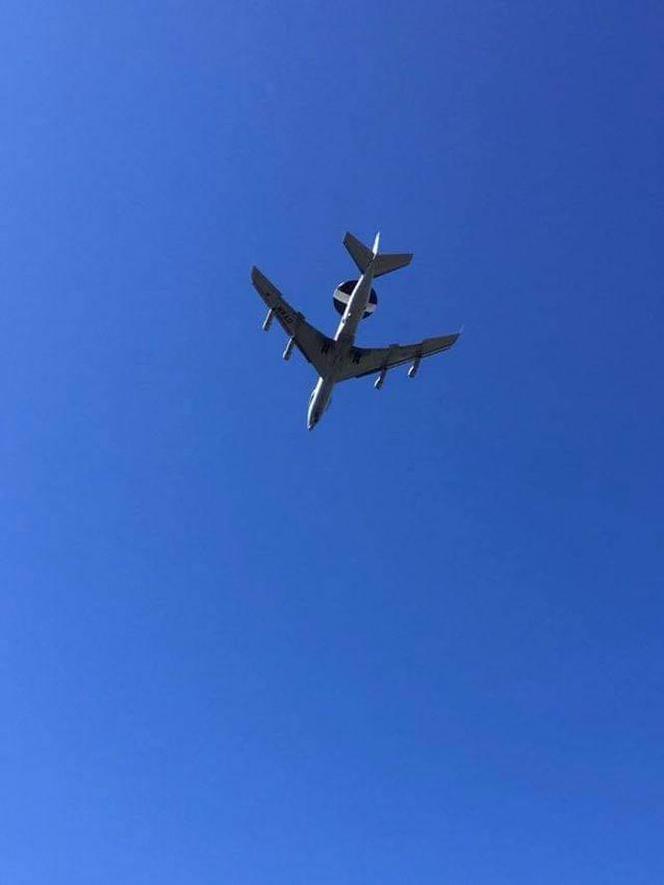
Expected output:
(372, 360)
(317, 348)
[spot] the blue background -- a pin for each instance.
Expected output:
(424, 642)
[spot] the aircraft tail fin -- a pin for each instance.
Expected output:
(363, 256)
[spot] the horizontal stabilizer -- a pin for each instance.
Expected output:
(391, 261)
(364, 257)
(361, 254)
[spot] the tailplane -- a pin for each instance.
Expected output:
(381, 264)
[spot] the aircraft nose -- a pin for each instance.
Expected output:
(312, 419)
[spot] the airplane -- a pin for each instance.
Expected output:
(338, 359)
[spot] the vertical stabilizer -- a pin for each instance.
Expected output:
(376, 244)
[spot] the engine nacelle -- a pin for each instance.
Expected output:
(341, 297)
(289, 348)
(268, 320)
(380, 380)
(412, 372)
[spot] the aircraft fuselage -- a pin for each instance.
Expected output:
(321, 395)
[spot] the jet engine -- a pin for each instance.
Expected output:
(342, 295)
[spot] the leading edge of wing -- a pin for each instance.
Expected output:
(267, 290)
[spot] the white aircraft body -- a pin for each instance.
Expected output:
(338, 359)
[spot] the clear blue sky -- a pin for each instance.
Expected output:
(423, 643)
